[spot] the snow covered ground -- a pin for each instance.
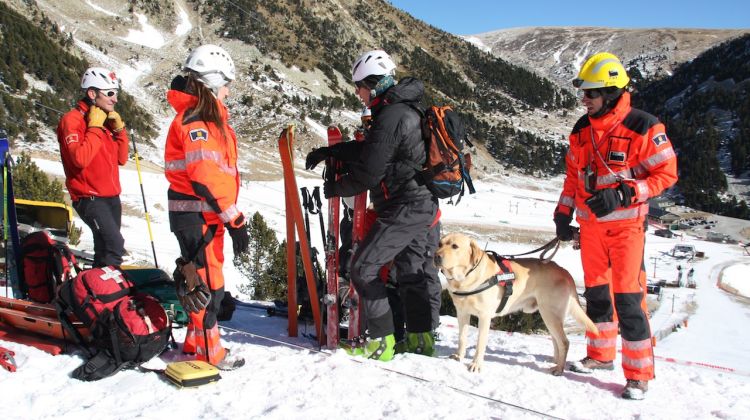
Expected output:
(702, 369)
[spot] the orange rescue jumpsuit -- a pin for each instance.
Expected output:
(631, 146)
(201, 167)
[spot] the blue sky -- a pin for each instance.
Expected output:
(465, 17)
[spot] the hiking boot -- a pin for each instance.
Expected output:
(230, 362)
(420, 343)
(635, 390)
(588, 365)
(400, 347)
(381, 349)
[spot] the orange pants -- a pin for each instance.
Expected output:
(614, 271)
(202, 336)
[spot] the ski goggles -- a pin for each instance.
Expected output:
(592, 93)
(110, 93)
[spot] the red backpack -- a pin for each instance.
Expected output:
(45, 264)
(127, 328)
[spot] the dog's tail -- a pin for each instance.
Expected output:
(578, 313)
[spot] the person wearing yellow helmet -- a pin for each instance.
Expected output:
(619, 157)
(602, 75)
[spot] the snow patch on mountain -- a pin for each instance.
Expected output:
(101, 9)
(184, 26)
(148, 36)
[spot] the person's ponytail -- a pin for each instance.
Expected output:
(207, 109)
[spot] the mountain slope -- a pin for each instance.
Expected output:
(294, 59)
(706, 107)
(558, 52)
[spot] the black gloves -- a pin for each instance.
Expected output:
(562, 227)
(329, 189)
(316, 156)
(608, 200)
(191, 289)
(238, 231)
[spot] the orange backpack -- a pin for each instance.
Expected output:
(447, 167)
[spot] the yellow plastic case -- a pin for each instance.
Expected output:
(191, 373)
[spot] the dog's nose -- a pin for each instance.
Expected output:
(438, 259)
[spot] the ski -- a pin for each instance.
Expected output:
(358, 234)
(10, 223)
(332, 250)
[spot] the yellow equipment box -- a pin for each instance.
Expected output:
(191, 373)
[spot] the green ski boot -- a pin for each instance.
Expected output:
(420, 343)
(375, 348)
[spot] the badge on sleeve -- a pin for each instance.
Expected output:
(199, 134)
(659, 139)
(71, 138)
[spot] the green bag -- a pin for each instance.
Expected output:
(158, 284)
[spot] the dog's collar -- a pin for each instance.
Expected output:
(475, 265)
(504, 277)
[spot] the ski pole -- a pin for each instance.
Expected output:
(318, 209)
(143, 195)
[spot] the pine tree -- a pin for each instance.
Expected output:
(30, 183)
(261, 264)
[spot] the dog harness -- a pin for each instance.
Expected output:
(505, 278)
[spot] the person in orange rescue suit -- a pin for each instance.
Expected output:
(619, 157)
(201, 167)
(93, 143)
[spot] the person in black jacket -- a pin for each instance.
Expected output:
(384, 164)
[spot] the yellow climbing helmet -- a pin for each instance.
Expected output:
(601, 70)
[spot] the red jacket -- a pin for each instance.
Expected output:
(635, 147)
(90, 156)
(200, 165)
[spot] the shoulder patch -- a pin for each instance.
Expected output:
(639, 121)
(659, 139)
(71, 138)
(199, 134)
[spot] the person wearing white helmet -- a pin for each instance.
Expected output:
(619, 157)
(93, 144)
(384, 164)
(201, 167)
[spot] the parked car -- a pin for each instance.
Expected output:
(683, 251)
(664, 233)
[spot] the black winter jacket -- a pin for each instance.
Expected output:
(381, 163)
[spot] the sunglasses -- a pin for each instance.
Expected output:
(109, 93)
(592, 93)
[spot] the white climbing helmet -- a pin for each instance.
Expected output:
(213, 65)
(99, 78)
(375, 62)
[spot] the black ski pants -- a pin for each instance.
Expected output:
(400, 235)
(103, 215)
(434, 287)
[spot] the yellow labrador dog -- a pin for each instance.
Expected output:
(546, 287)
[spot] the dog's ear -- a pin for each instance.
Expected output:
(476, 252)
